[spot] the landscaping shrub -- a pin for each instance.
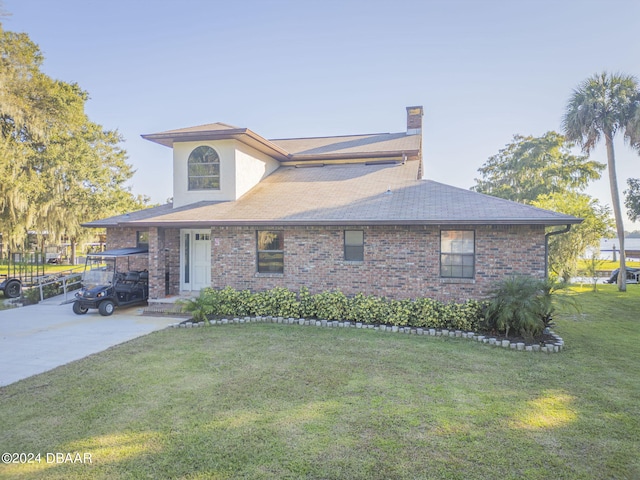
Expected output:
(335, 305)
(521, 305)
(463, 316)
(400, 312)
(199, 307)
(307, 304)
(232, 302)
(277, 302)
(331, 305)
(427, 312)
(30, 296)
(367, 309)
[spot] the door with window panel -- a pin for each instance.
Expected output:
(195, 259)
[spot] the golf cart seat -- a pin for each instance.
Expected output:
(132, 277)
(128, 282)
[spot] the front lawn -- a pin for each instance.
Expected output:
(274, 401)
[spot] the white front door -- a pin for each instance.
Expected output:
(195, 259)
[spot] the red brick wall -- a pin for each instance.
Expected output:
(399, 262)
(164, 255)
(125, 238)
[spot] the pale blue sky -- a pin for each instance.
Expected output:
(483, 70)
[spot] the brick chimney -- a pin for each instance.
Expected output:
(414, 120)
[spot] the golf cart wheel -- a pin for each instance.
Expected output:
(79, 309)
(106, 308)
(13, 288)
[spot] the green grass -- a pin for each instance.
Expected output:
(607, 265)
(48, 268)
(260, 401)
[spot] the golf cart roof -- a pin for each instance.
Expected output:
(120, 252)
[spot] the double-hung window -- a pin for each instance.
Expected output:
(270, 251)
(457, 253)
(354, 245)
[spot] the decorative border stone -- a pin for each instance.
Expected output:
(556, 346)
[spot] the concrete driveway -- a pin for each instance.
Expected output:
(41, 337)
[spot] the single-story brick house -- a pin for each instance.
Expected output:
(349, 212)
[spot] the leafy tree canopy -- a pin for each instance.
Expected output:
(632, 199)
(602, 106)
(529, 167)
(58, 168)
(566, 249)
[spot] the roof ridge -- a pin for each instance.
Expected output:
(337, 136)
(232, 127)
(222, 123)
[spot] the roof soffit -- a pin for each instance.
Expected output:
(209, 132)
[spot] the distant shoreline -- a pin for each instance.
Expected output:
(610, 245)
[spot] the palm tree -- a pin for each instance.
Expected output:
(602, 106)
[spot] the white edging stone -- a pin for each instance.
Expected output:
(555, 347)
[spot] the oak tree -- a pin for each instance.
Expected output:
(529, 167)
(58, 168)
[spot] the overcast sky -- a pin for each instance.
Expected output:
(483, 70)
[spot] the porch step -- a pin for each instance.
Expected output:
(164, 309)
(167, 306)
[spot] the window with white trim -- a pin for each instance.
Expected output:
(457, 253)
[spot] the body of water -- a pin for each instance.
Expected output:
(607, 245)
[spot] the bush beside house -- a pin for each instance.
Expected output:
(335, 305)
(518, 306)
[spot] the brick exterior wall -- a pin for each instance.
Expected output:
(126, 238)
(399, 261)
(163, 258)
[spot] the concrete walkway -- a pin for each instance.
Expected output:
(41, 337)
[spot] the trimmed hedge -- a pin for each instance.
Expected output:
(335, 305)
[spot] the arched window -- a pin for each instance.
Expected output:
(204, 169)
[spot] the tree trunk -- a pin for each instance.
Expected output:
(617, 212)
(72, 242)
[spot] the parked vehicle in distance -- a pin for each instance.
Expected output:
(11, 287)
(108, 282)
(633, 275)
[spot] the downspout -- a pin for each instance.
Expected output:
(546, 247)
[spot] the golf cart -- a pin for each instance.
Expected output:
(108, 282)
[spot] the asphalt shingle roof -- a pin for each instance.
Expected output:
(292, 149)
(353, 194)
(352, 144)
